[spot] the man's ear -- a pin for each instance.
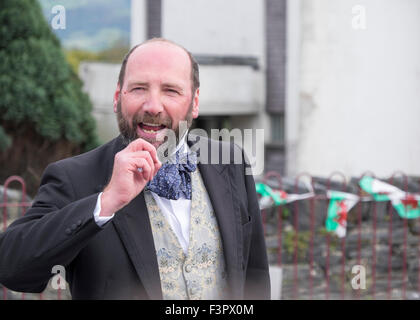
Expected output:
(196, 103)
(116, 97)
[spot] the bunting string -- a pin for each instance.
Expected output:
(407, 205)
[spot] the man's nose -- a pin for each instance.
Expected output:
(153, 104)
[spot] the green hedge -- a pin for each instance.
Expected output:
(38, 88)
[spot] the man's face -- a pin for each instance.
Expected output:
(156, 94)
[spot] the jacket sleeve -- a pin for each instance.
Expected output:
(52, 232)
(257, 285)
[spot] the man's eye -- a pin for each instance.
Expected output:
(172, 91)
(138, 88)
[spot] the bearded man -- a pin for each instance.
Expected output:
(128, 222)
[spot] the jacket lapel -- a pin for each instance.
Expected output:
(133, 226)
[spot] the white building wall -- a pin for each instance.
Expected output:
(230, 90)
(100, 82)
(217, 27)
(292, 107)
(359, 100)
(138, 22)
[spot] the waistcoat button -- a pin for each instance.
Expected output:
(188, 268)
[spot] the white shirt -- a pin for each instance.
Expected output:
(177, 212)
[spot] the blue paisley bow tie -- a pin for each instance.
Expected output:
(174, 179)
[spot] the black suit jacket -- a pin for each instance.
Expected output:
(118, 261)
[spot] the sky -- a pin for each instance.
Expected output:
(91, 25)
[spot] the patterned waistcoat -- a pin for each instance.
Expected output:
(201, 273)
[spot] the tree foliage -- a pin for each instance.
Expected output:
(43, 108)
(113, 54)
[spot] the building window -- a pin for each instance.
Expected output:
(277, 129)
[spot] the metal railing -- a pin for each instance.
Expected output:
(303, 278)
(22, 205)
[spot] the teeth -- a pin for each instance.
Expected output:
(151, 131)
(151, 124)
(154, 125)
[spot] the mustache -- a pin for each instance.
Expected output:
(149, 118)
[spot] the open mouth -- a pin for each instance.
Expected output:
(151, 128)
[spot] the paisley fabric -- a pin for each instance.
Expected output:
(173, 178)
(201, 273)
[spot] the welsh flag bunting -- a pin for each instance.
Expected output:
(340, 205)
(270, 197)
(407, 205)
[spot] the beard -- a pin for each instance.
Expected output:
(129, 130)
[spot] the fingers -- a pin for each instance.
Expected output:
(141, 149)
(142, 145)
(147, 172)
(133, 167)
(146, 155)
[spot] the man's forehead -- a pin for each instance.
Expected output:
(159, 52)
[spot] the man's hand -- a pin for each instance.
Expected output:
(126, 180)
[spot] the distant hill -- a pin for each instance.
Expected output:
(92, 25)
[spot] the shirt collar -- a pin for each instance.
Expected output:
(182, 144)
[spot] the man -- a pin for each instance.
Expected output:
(126, 226)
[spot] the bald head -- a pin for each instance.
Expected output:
(156, 42)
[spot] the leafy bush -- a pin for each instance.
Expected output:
(44, 115)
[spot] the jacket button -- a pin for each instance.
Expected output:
(73, 227)
(68, 231)
(188, 268)
(79, 223)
